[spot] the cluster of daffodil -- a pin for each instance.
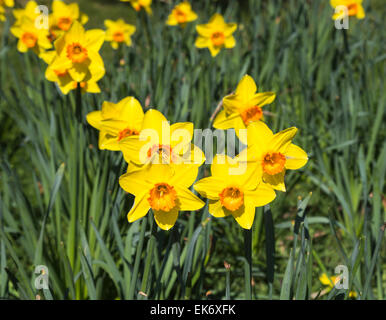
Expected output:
(161, 167)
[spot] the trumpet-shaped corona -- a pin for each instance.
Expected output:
(232, 198)
(162, 197)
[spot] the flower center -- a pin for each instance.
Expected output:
(251, 114)
(126, 133)
(76, 53)
(180, 16)
(29, 39)
(273, 162)
(232, 198)
(64, 23)
(218, 38)
(163, 197)
(164, 152)
(352, 9)
(61, 73)
(118, 36)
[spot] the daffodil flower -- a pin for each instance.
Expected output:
(243, 107)
(5, 3)
(331, 281)
(77, 53)
(119, 32)
(181, 14)
(30, 37)
(62, 17)
(354, 8)
(274, 153)
(164, 189)
(232, 190)
(140, 4)
(29, 11)
(116, 121)
(216, 34)
(160, 142)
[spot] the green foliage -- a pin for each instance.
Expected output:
(61, 205)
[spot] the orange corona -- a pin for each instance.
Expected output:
(163, 197)
(64, 23)
(232, 198)
(76, 53)
(218, 38)
(29, 39)
(251, 114)
(126, 133)
(273, 163)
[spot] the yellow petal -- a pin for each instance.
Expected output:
(209, 187)
(166, 220)
(134, 183)
(155, 120)
(245, 215)
(187, 200)
(94, 39)
(246, 88)
(263, 98)
(140, 208)
(230, 42)
(217, 210)
(94, 119)
(282, 140)
(295, 157)
(275, 181)
(261, 196)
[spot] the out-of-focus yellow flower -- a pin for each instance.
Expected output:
(181, 14)
(160, 142)
(234, 193)
(354, 8)
(216, 34)
(117, 121)
(243, 107)
(62, 17)
(140, 4)
(76, 55)
(5, 3)
(274, 153)
(30, 37)
(164, 189)
(119, 32)
(29, 11)
(331, 281)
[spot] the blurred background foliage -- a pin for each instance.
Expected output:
(61, 205)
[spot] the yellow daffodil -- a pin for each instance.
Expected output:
(216, 34)
(243, 107)
(140, 4)
(234, 193)
(3, 4)
(77, 54)
(181, 14)
(331, 281)
(119, 32)
(164, 189)
(160, 142)
(274, 153)
(29, 11)
(354, 8)
(116, 121)
(30, 37)
(62, 17)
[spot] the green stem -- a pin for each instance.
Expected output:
(133, 282)
(150, 251)
(79, 103)
(248, 264)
